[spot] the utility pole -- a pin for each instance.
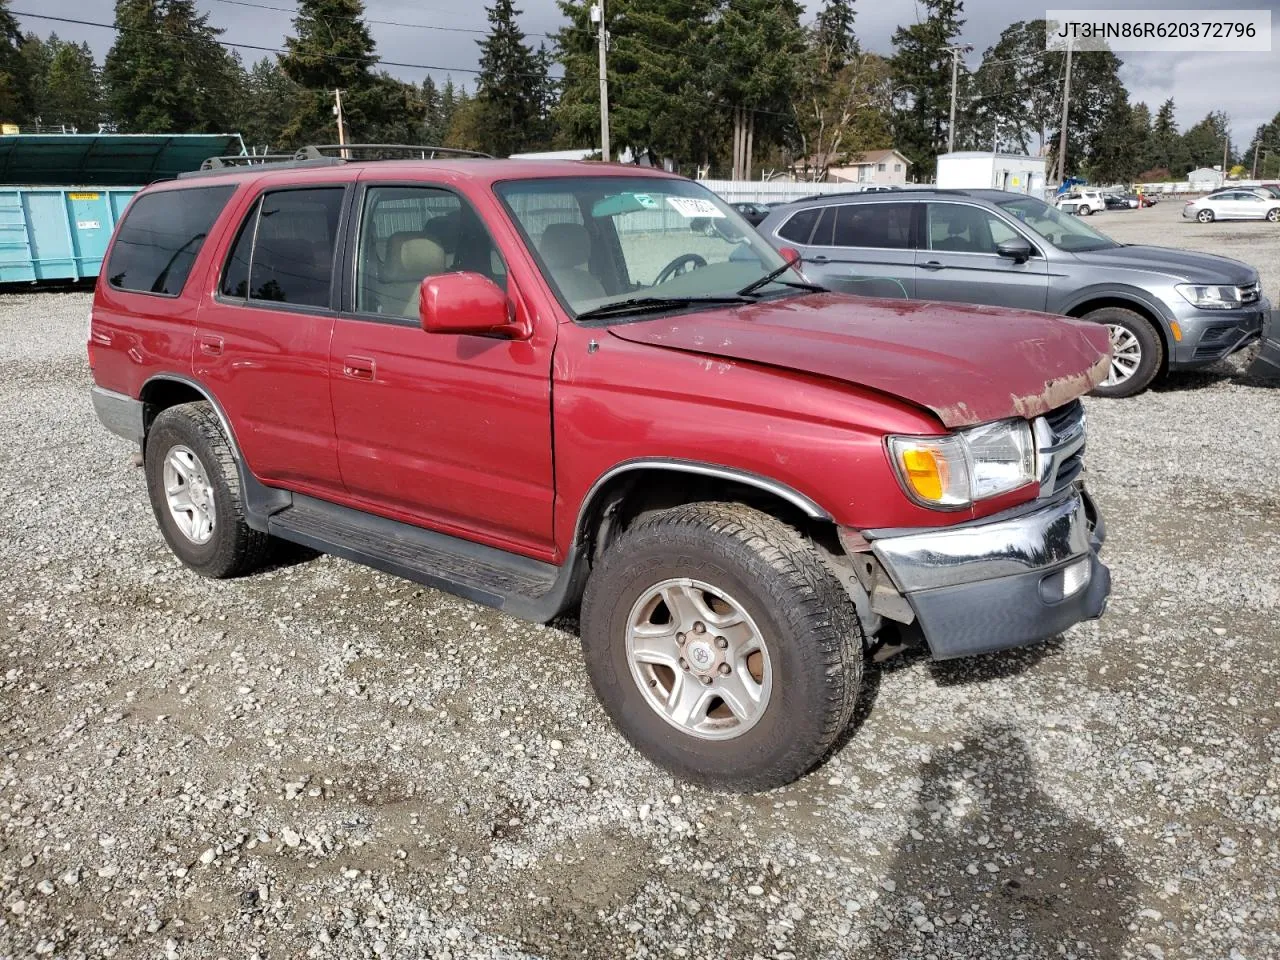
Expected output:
(955, 52)
(1226, 147)
(1066, 105)
(337, 112)
(597, 15)
(1253, 174)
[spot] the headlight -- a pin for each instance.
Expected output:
(952, 472)
(1210, 297)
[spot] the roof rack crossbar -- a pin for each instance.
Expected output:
(399, 151)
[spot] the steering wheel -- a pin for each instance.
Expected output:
(678, 265)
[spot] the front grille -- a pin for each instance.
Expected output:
(1060, 436)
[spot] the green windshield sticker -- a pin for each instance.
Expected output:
(646, 201)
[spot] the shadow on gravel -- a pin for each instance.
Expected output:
(993, 860)
(979, 669)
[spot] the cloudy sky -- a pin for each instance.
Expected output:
(1246, 85)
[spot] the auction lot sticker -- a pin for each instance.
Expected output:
(1160, 31)
(694, 207)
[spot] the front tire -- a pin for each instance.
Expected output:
(1137, 352)
(721, 646)
(1205, 216)
(194, 486)
(1273, 215)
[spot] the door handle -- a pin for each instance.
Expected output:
(210, 344)
(932, 265)
(358, 368)
(819, 259)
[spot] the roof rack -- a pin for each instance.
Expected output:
(244, 160)
(383, 151)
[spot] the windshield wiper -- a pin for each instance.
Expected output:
(772, 277)
(621, 308)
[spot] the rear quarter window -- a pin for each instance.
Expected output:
(160, 237)
(800, 227)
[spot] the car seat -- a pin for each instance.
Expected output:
(566, 249)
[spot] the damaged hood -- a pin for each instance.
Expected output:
(966, 364)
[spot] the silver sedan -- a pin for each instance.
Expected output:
(1239, 204)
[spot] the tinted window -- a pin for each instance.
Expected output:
(290, 236)
(799, 228)
(883, 225)
(160, 237)
(235, 277)
(409, 233)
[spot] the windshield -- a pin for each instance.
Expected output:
(1063, 230)
(602, 240)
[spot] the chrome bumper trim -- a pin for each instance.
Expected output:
(947, 558)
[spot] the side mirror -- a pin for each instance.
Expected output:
(1017, 250)
(467, 303)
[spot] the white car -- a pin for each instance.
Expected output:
(1082, 202)
(1239, 204)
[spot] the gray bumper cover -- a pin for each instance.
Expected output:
(992, 585)
(120, 414)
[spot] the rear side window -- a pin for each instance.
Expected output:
(160, 237)
(885, 226)
(800, 227)
(284, 250)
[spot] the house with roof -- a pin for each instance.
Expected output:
(881, 167)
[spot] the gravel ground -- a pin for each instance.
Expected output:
(323, 761)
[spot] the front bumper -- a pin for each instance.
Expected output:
(1266, 365)
(1212, 335)
(994, 584)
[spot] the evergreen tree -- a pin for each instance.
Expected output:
(1262, 158)
(661, 101)
(15, 93)
(1203, 144)
(34, 59)
(756, 48)
(333, 50)
(167, 72)
(1167, 149)
(921, 64)
(267, 108)
(833, 33)
(72, 92)
(509, 90)
(433, 129)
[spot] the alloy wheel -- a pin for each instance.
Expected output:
(189, 494)
(699, 659)
(1126, 355)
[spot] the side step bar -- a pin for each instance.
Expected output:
(516, 585)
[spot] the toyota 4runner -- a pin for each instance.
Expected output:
(540, 385)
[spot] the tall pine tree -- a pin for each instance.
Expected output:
(72, 93)
(834, 35)
(15, 91)
(511, 87)
(921, 66)
(167, 71)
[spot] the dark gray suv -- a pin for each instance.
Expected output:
(1166, 309)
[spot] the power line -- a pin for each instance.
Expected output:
(263, 49)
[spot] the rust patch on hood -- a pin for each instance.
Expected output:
(1062, 390)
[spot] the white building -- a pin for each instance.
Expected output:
(1205, 178)
(978, 170)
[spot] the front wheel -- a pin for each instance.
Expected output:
(721, 646)
(1137, 352)
(1274, 214)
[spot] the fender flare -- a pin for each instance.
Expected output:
(805, 504)
(205, 392)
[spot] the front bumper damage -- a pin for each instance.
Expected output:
(995, 583)
(1266, 365)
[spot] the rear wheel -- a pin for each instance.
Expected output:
(721, 646)
(1205, 216)
(195, 493)
(1084, 210)
(1137, 352)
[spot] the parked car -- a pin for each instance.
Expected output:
(1269, 190)
(1234, 204)
(1083, 203)
(753, 213)
(1119, 201)
(1165, 309)
(510, 380)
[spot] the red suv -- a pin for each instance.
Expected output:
(539, 384)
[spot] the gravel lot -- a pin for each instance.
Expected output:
(323, 761)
